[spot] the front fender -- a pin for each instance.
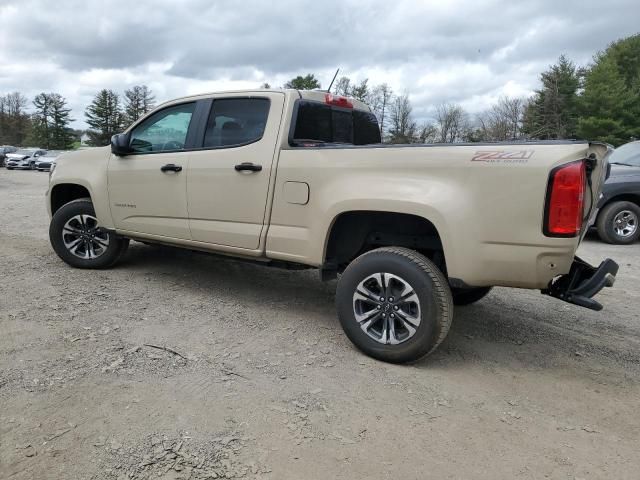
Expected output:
(86, 168)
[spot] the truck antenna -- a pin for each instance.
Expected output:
(334, 79)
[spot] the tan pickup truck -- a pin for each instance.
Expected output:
(300, 179)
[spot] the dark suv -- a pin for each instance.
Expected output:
(619, 214)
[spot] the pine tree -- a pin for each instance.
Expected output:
(308, 82)
(51, 122)
(552, 113)
(610, 103)
(62, 136)
(40, 121)
(104, 116)
(139, 101)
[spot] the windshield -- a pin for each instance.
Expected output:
(628, 154)
(52, 154)
(24, 152)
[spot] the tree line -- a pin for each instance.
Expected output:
(49, 124)
(600, 101)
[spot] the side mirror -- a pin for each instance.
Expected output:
(120, 144)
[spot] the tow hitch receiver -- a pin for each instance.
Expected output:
(583, 282)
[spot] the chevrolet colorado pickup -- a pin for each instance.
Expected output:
(300, 179)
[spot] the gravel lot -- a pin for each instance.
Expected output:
(258, 380)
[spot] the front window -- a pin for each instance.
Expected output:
(24, 152)
(165, 131)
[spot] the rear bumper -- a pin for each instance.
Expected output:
(583, 282)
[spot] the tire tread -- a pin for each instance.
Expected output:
(440, 283)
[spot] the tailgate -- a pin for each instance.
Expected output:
(598, 155)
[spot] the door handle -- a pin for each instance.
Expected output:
(171, 167)
(248, 166)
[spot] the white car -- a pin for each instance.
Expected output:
(23, 159)
(45, 161)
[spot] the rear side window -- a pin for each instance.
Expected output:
(236, 121)
(323, 123)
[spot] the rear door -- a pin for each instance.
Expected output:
(147, 188)
(228, 177)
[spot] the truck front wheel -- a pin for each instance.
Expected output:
(394, 304)
(77, 238)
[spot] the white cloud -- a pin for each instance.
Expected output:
(470, 52)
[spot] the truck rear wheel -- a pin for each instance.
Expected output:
(467, 296)
(394, 304)
(76, 237)
(618, 223)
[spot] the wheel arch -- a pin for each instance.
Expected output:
(63, 193)
(354, 232)
(622, 197)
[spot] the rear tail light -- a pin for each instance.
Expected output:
(564, 209)
(337, 100)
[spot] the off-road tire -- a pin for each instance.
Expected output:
(426, 280)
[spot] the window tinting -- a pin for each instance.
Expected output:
(342, 126)
(323, 123)
(313, 122)
(365, 128)
(163, 132)
(236, 121)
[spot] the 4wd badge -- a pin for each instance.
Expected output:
(503, 156)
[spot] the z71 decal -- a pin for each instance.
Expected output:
(502, 156)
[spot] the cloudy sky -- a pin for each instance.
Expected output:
(470, 52)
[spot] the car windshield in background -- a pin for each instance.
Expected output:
(24, 152)
(628, 154)
(52, 153)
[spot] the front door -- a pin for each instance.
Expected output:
(228, 179)
(147, 188)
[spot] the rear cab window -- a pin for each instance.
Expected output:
(317, 123)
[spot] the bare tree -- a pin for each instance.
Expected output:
(361, 91)
(452, 122)
(380, 99)
(503, 121)
(427, 133)
(343, 86)
(403, 127)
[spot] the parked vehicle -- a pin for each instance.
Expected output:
(4, 150)
(44, 162)
(619, 215)
(300, 179)
(24, 159)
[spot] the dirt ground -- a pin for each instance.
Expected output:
(258, 381)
